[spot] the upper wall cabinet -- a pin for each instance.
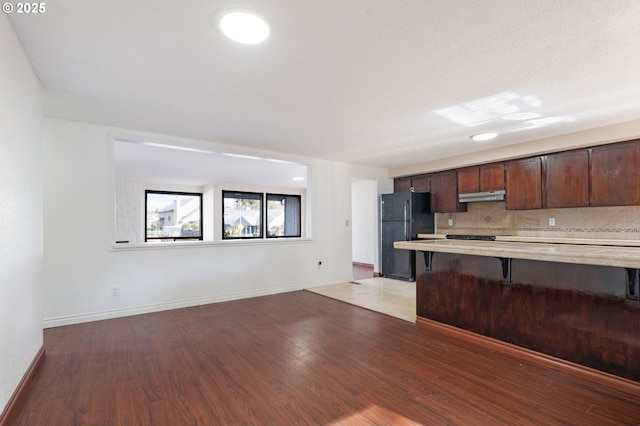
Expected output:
(524, 184)
(444, 193)
(614, 174)
(492, 177)
(488, 177)
(566, 179)
(469, 180)
(402, 184)
(418, 183)
(421, 183)
(607, 175)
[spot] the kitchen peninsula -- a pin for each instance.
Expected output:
(576, 302)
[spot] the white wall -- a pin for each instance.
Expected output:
(365, 222)
(20, 213)
(81, 264)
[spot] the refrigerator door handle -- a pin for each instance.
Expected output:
(406, 222)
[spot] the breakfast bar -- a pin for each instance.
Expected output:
(576, 301)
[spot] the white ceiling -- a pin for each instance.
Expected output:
(348, 80)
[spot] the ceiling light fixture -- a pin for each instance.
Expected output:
(298, 178)
(244, 26)
(480, 137)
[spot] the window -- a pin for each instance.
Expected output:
(172, 216)
(283, 215)
(192, 167)
(242, 215)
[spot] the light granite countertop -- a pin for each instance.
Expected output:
(533, 248)
(551, 240)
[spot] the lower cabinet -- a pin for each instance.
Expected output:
(579, 313)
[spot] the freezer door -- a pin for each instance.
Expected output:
(422, 220)
(396, 263)
(395, 206)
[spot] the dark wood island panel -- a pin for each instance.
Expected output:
(579, 313)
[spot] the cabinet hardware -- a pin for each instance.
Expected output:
(506, 269)
(633, 283)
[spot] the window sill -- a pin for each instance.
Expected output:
(218, 243)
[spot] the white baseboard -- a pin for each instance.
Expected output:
(145, 309)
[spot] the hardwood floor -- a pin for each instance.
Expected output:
(362, 271)
(296, 358)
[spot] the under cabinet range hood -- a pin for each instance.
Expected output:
(482, 196)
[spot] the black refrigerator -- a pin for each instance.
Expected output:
(403, 215)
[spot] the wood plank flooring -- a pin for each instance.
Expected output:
(296, 358)
(362, 271)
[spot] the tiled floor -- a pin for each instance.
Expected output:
(392, 297)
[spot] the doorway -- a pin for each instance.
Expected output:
(365, 230)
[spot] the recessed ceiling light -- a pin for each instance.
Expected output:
(244, 26)
(298, 178)
(483, 136)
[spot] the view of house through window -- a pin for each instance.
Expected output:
(166, 192)
(283, 215)
(242, 215)
(172, 216)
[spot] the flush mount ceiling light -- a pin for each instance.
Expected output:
(244, 26)
(483, 137)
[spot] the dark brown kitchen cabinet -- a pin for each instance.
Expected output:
(418, 183)
(444, 193)
(402, 184)
(421, 183)
(492, 177)
(566, 179)
(488, 177)
(469, 180)
(524, 184)
(614, 174)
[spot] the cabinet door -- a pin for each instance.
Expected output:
(402, 184)
(566, 179)
(524, 184)
(444, 193)
(421, 183)
(469, 180)
(492, 177)
(614, 175)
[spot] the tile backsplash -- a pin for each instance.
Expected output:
(492, 218)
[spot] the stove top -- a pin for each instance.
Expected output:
(471, 237)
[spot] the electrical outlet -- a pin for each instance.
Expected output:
(115, 290)
(552, 221)
(450, 222)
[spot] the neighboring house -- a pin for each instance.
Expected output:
(244, 223)
(172, 217)
(183, 210)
